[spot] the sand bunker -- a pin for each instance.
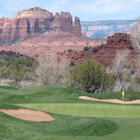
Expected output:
(29, 115)
(110, 100)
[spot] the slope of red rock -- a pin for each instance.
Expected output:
(119, 41)
(50, 42)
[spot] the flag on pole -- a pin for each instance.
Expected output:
(122, 93)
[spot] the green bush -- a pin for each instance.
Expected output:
(95, 49)
(90, 77)
(86, 48)
(69, 50)
(36, 55)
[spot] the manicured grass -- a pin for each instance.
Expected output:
(63, 125)
(88, 110)
(50, 94)
(76, 119)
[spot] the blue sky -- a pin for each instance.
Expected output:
(86, 10)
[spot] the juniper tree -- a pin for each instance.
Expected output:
(90, 77)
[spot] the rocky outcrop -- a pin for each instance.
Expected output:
(33, 21)
(77, 27)
(105, 55)
(119, 41)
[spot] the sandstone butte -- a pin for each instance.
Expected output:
(118, 41)
(37, 31)
(28, 23)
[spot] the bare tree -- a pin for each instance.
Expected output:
(53, 71)
(124, 70)
(135, 35)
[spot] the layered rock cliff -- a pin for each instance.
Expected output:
(33, 21)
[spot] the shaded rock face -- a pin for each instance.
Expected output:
(119, 41)
(31, 22)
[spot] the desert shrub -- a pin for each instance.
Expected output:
(16, 68)
(86, 48)
(71, 63)
(69, 50)
(90, 77)
(17, 55)
(95, 49)
(36, 55)
(4, 72)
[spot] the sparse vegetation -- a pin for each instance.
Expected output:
(69, 50)
(86, 48)
(17, 68)
(96, 49)
(36, 55)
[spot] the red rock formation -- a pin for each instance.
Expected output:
(77, 27)
(29, 23)
(50, 42)
(55, 24)
(119, 41)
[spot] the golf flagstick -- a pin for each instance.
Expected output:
(123, 98)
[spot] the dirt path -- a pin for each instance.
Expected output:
(29, 115)
(110, 100)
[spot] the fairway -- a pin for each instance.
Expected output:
(75, 119)
(88, 110)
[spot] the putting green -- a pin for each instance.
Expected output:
(88, 110)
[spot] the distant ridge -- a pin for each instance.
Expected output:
(105, 28)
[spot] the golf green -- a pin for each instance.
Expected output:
(88, 110)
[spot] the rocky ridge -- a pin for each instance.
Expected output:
(105, 28)
(31, 22)
(118, 41)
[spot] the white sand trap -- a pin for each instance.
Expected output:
(29, 115)
(110, 100)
